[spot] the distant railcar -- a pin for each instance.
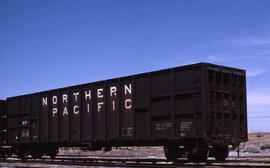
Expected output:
(2, 123)
(194, 111)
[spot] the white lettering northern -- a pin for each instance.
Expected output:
(65, 98)
(113, 90)
(54, 99)
(44, 101)
(100, 93)
(127, 89)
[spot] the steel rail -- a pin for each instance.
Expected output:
(135, 162)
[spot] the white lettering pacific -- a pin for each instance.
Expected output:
(54, 111)
(65, 111)
(128, 104)
(113, 105)
(88, 108)
(99, 105)
(76, 109)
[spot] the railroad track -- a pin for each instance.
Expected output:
(243, 162)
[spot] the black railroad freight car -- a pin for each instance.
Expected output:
(195, 111)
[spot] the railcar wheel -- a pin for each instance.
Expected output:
(51, 151)
(53, 154)
(199, 155)
(22, 155)
(3, 155)
(22, 152)
(36, 155)
(220, 152)
(171, 152)
(9, 154)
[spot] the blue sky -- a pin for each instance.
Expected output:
(51, 44)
